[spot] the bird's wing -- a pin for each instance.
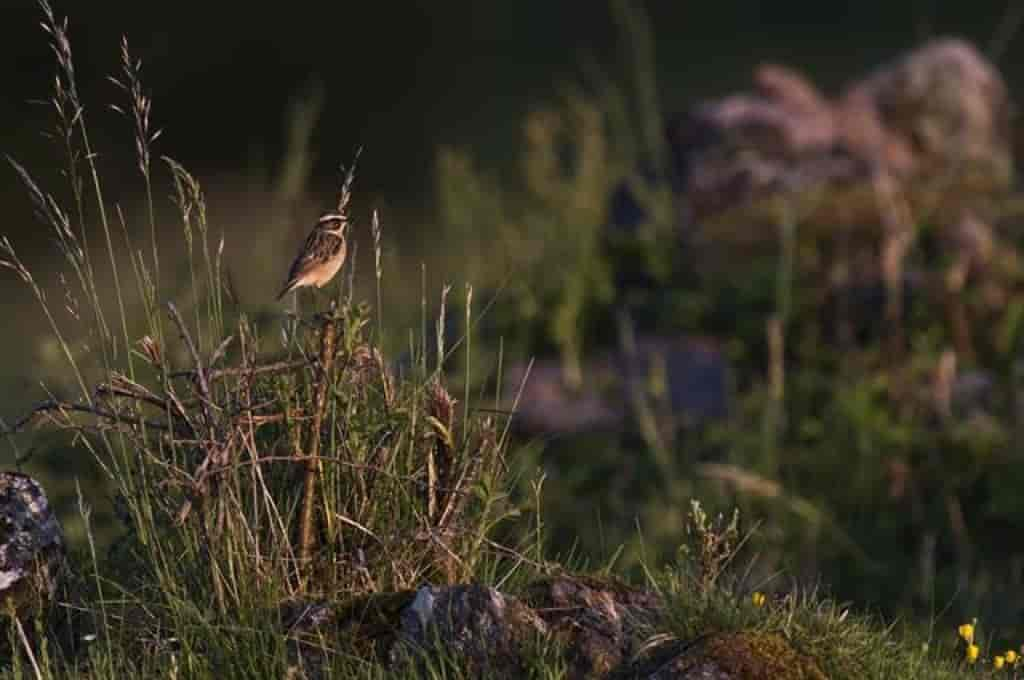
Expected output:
(320, 246)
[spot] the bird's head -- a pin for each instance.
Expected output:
(334, 223)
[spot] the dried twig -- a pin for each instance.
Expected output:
(328, 335)
(217, 374)
(214, 453)
(118, 386)
(199, 372)
(62, 406)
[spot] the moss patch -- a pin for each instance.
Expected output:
(756, 656)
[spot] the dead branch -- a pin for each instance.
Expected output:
(214, 453)
(217, 374)
(221, 350)
(51, 405)
(198, 372)
(130, 391)
(328, 335)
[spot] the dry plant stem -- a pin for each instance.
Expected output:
(64, 407)
(776, 355)
(131, 391)
(898, 236)
(956, 310)
(217, 374)
(214, 455)
(23, 638)
(328, 335)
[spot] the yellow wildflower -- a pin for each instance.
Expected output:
(758, 599)
(972, 653)
(966, 632)
(1011, 656)
(998, 662)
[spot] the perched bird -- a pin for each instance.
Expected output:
(322, 254)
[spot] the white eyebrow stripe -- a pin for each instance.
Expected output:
(331, 217)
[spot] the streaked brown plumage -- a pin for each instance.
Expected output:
(321, 256)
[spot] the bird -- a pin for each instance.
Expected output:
(322, 255)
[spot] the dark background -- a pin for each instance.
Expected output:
(402, 77)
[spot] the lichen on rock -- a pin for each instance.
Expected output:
(31, 544)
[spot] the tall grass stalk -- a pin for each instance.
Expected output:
(70, 115)
(86, 513)
(62, 48)
(378, 271)
(467, 378)
(775, 337)
(634, 24)
(138, 110)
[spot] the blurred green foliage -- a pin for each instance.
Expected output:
(857, 473)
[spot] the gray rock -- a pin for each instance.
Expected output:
(31, 543)
(938, 113)
(685, 380)
(485, 630)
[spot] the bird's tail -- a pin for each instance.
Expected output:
(288, 287)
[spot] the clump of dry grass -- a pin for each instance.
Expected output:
(251, 467)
